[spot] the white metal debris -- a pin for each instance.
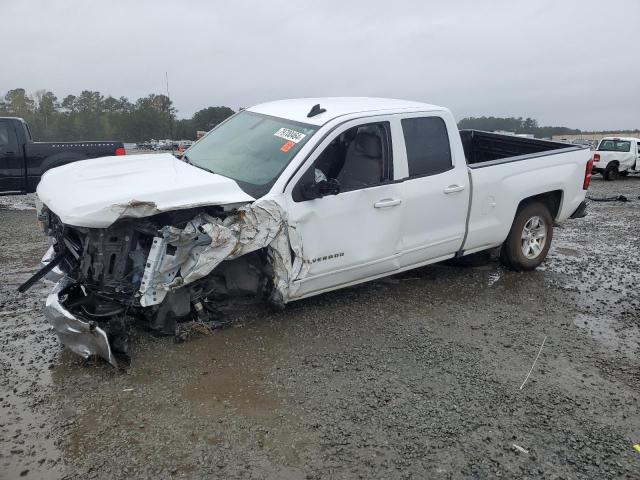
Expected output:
(519, 448)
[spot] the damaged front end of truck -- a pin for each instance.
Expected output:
(160, 271)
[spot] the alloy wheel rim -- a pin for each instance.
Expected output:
(534, 237)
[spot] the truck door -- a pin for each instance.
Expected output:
(11, 161)
(435, 193)
(351, 232)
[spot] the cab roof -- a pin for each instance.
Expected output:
(298, 109)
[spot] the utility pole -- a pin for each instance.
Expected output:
(166, 76)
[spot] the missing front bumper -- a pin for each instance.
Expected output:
(83, 338)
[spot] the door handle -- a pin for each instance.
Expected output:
(387, 202)
(454, 189)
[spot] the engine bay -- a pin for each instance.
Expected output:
(161, 272)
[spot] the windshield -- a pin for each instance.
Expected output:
(614, 145)
(250, 148)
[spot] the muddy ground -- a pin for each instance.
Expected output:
(416, 376)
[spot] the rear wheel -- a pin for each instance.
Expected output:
(611, 172)
(529, 239)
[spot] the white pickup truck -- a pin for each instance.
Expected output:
(617, 156)
(286, 200)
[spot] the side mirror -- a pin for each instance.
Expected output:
(311, 190)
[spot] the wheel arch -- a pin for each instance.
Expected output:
(552, 200)
(510, 255)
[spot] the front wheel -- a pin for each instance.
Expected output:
(611, 172)
(529, 239)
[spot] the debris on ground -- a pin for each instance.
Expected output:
(519, 448)
(612, 198)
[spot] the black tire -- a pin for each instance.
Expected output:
(611, 172)
(512, 253)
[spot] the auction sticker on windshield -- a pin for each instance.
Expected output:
(290, 135)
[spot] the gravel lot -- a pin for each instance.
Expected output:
(415, 376)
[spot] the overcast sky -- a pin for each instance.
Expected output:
(572, 63)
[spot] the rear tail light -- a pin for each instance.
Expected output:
(121, 151)
(587, 174)
(596, 157)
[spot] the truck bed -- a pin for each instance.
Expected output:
(504, 170)
(486, 148)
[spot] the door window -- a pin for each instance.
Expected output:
(8, 141)
(427, 144)
(4, 137)
(359, 157)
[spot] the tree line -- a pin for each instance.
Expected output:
(93, 116)
(516, 125)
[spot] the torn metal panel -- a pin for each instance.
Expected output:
(83, 338)
(162, 272)
(135, 209)
(182, 256)
(299, 268)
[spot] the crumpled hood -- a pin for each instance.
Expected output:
(95, 193)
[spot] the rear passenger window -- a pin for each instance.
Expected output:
(427, 144)
(8, 141)
(4, 136)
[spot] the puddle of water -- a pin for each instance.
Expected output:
(231, 366)
(26, 444)
(178, 398)
(603, 329)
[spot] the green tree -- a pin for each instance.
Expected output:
(209, 117)
(69, 103)
(513, 124)
(92, 116)
(19, 103)
(45, 113)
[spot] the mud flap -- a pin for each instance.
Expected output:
(581, 211)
